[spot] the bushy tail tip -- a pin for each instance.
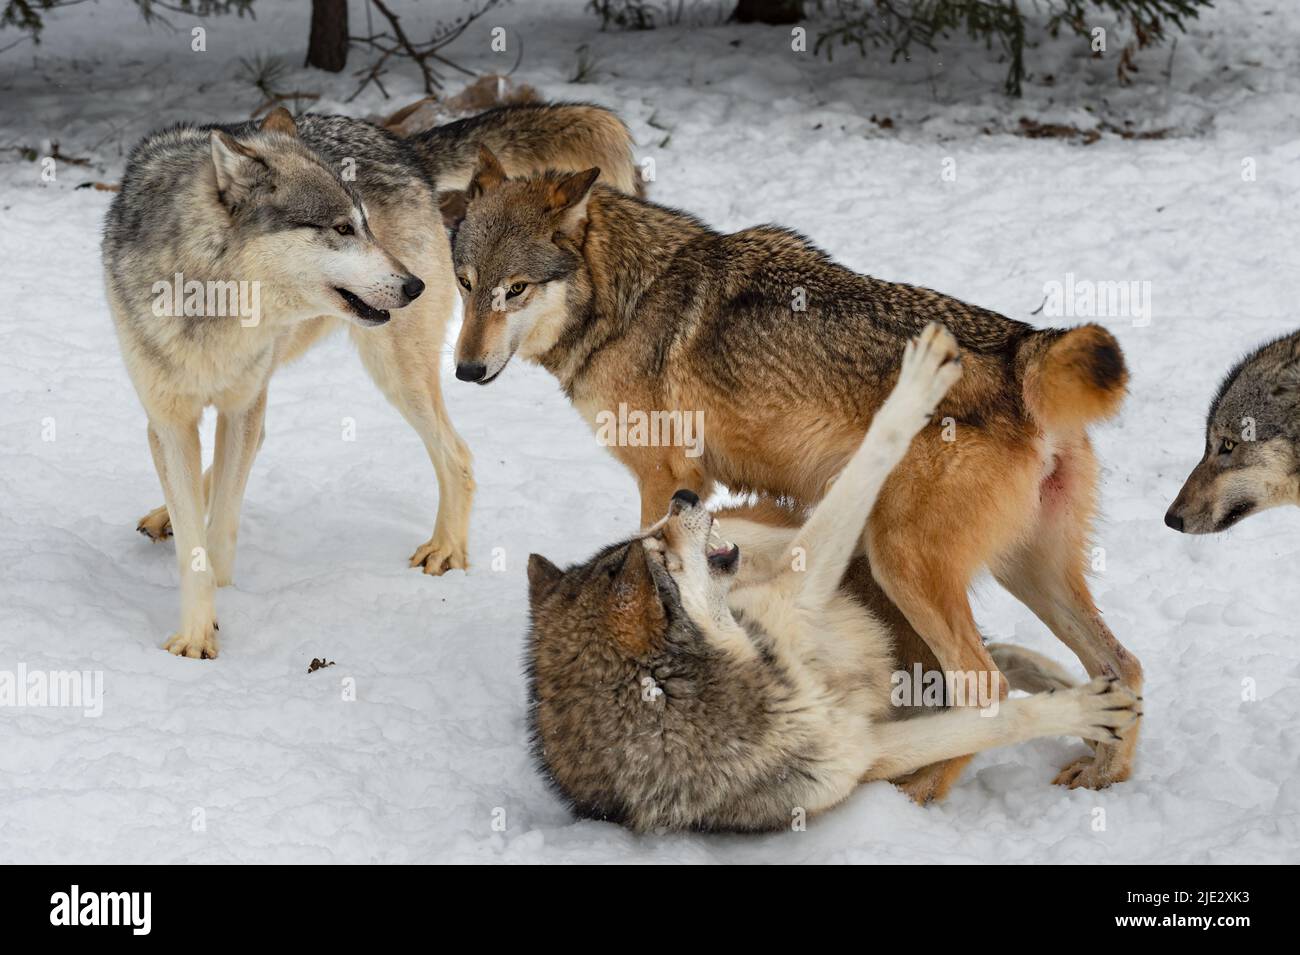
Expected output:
(1074, 377)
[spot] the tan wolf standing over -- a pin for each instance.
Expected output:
(788, 356)
(231, 250)
(674, 686)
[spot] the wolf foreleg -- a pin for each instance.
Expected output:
(831, 535)
(178, 459)
(1096, 711)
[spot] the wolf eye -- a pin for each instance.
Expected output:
(464, 283)
(1227, 446)
(345, 228)
(516, 289)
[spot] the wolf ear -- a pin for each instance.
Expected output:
(236, 166)
(636, 617)
(542, 576)
(572, 189)
(279, 120)
(452, 204)
(488, 175)
(569, 196)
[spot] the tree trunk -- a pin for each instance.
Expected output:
(328, 47)
(769, 11)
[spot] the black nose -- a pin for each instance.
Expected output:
(689, 498)
(471, 370)
(1174, 520)
(413, 287)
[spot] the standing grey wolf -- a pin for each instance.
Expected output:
(1252, 443)
(787, 356)
(321, 222)
(673, 688)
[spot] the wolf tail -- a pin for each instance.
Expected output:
(1072, 377)
(530, 138)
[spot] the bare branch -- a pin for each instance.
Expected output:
(426, 54)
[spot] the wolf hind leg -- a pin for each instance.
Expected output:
(1029, 671)
(1063, 602)
(1046, 574)
(157, 524)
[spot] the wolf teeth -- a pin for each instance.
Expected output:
(718, 544)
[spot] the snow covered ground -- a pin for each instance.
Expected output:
(249, 758)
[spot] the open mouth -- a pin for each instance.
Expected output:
(368, 315)
(723, 556)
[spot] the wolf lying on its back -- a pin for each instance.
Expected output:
(672, 687)
(271, 209)
(1252, 443)
(786, 357)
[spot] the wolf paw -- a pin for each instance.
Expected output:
(200, 644)
(1089, 772)
(437, 556)
(156, 525)
(931, 365)
(1101, 709)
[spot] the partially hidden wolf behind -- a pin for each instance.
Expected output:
(786, 356)
(674, 686)
(1251, 460)
(231, 250)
